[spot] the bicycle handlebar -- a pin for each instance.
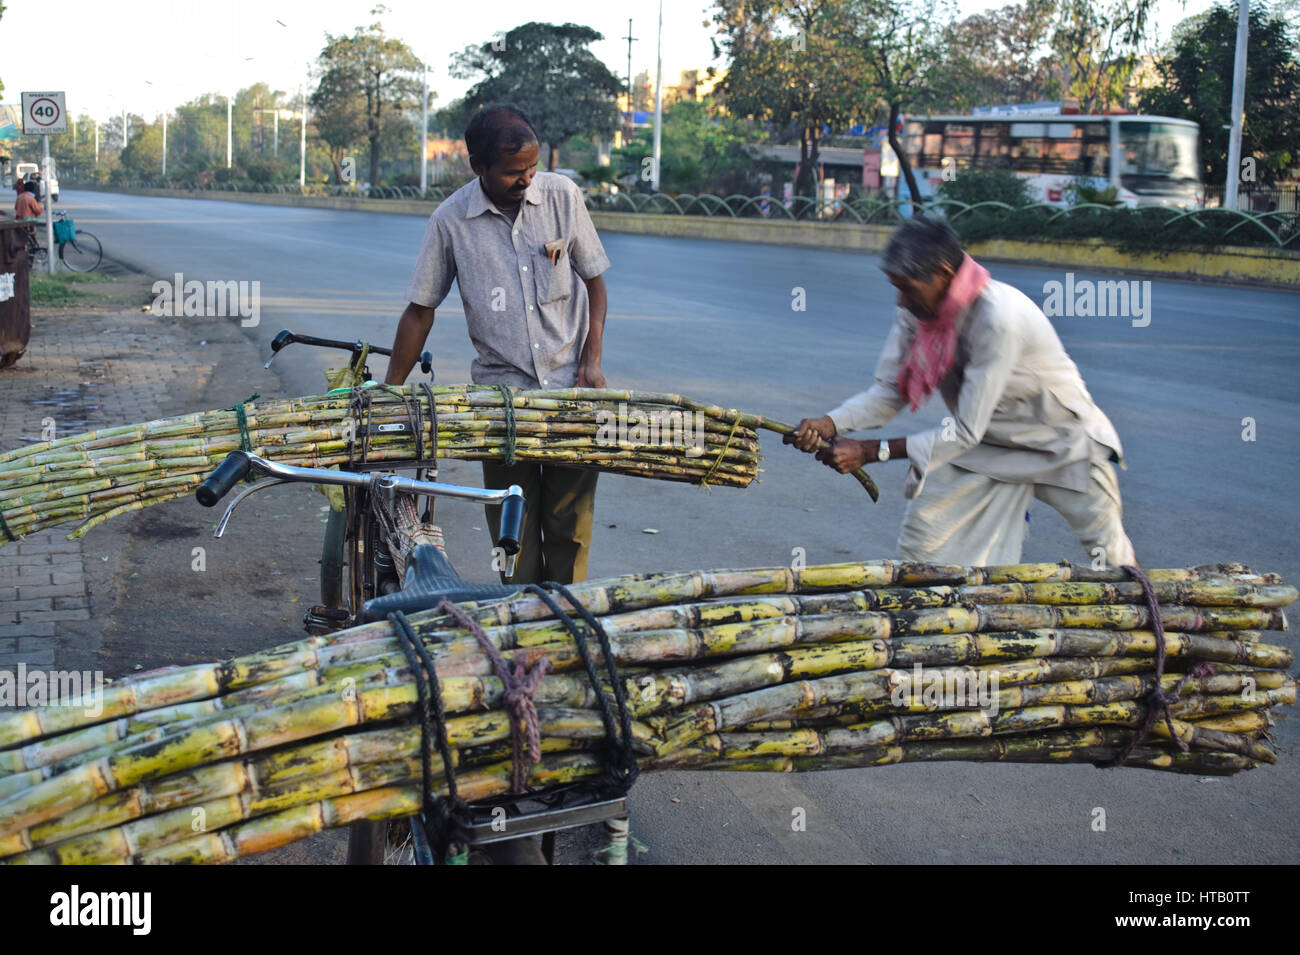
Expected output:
(287, 337)
(238, 463)
(228, 473)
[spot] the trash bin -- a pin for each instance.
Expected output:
(15, 296)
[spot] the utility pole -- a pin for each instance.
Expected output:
(1238, 105)
(630, 40)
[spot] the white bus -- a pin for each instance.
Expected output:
(1150, 160)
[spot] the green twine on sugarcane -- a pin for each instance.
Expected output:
(508, 401)
(704, 481)
(245, 444)
(9, 535)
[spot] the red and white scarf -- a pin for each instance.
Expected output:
(935, 346)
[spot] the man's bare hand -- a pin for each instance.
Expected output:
(811, 433)
(590, 375)
(845, 454)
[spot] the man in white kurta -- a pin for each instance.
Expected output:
(1023, 426)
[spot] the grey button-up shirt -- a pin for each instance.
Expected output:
(527, 318)
(1021, 412)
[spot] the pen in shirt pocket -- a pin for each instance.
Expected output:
(554, 250)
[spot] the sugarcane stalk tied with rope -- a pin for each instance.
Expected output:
(769, 670)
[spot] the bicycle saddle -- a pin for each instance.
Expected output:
(431, 578)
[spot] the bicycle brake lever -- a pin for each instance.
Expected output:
(230, 508)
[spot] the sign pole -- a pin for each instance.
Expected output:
(49, 203)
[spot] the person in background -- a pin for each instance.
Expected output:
(26, 206)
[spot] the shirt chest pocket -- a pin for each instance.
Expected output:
(554, 282)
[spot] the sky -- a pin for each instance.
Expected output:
(150, 54)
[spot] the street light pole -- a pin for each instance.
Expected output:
(424, 128)
(302, 132)
(659, 96)
(302, 139)
(164, 131)
(1238, 105)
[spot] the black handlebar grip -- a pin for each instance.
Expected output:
(512, 521)
(227, 474)
(426, 362)
(282, 338)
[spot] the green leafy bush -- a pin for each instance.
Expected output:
(987, 185)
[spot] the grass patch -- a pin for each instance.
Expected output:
(60, 289)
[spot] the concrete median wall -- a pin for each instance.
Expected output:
(1277, 268)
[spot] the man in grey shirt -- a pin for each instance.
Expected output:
(526, 258)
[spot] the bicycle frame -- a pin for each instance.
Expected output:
(365, 539)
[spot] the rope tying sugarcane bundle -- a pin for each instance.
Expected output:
(445, 819)
(766, 670)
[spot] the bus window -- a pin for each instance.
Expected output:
(1064, 156)
(1096, 158)
(992, 148)
(932, 147)
(959, 144)
(1152, 154)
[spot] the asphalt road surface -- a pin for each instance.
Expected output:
(715, 320)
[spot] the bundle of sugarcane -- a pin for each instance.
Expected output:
(95, 476)
(848, 665)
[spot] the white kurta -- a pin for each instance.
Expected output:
(1023, 426)
(1021, 412)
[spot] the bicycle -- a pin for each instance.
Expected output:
(393, 560)
(79, 250)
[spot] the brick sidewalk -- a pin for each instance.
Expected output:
(82, 371)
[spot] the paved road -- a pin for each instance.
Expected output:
(715, 320)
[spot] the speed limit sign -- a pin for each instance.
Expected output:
(44, 113)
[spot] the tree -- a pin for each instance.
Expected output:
(785, 68)
(1196, 84)
(901, 42)
(1097, 45)
(142, 157)
(548, 72)
(701, 151)
(368, 83)
(999, 57)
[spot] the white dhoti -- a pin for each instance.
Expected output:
(965, 518)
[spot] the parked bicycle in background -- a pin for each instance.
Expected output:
(79, 250)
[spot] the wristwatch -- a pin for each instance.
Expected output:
(883, 453)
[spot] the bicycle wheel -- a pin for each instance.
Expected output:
(83, 253)
(37, 257)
